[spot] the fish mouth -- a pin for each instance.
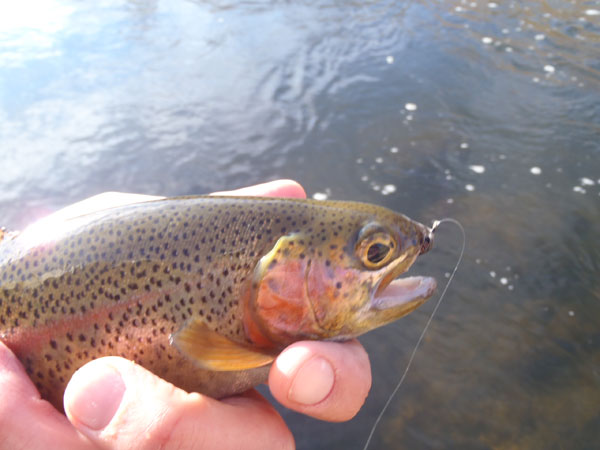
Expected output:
(400, 296)
(405, 294)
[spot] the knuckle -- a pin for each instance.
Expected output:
(178, 433)
(175, 429)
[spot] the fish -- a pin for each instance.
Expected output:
(204, 291)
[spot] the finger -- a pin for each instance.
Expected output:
(22, 411)
(98, 203)
(278, 188)
(326, 380)
(118, 404)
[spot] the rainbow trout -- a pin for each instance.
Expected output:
(203, 291)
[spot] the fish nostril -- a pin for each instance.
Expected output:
(426, 244)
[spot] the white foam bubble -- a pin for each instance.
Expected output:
(539, 37)
(571, 313)
(379, 160)
(592, 12)
(535, 170)
(464, 145)
(492, 274)
(389, 59)
(470, 187)
(364, 178)
(504, 280)
(579, 189)
(320, 196)
(548, 68)
(450, 201)
(587, 182)
(394, 150)
(388, 189)
(487, 40)
(492, 5)
(410, 107)
(477, 169)
(359, 160)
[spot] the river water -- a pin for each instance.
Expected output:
(485, 112)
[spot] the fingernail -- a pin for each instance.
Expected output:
(313, 382)
(94, 395)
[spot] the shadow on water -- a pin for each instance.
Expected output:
(488, 112)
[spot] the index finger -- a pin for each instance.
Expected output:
(277, 188)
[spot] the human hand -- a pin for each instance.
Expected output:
(113, 403)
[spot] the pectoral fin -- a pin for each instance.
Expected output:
(213, 351)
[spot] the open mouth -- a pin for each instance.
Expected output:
(408, 292)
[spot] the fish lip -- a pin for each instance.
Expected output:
(406, 292)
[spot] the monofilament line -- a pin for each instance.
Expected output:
(437, 305)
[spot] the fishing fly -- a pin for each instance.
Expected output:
(433, 229)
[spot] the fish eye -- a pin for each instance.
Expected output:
(377, 252)
(375, 249)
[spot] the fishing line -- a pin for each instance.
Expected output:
(434, 227)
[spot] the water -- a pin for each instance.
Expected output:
(486, 112)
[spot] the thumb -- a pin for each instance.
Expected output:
(118, 404)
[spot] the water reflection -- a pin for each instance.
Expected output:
(485, 111)
(29, 29)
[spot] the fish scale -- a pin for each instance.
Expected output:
(125, 281)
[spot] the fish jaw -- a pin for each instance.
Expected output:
(392, 295)
(385, 304)
(390, 290)
(404, 295)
